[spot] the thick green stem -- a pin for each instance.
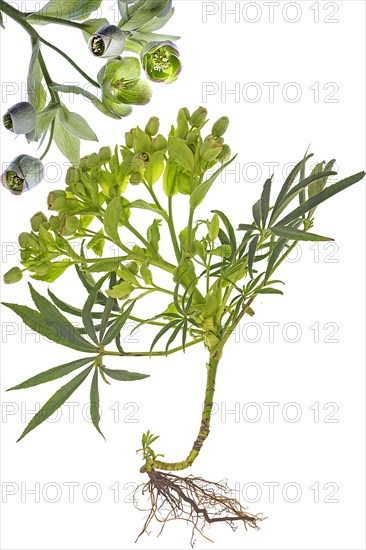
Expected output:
(189, 231)
(172, 229)
(204, 429)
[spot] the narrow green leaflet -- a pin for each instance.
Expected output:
(68, 144)
(67, 308)
(116, 328)
(251, 254)
(265, 198)
(56, 401)
(165, 329)
(275, 254)
(321, 197)
(201, 191)
(288, 182)
(108, 308)
(124, 375)
(257, 213)
(53, 374)
(87, 309)
(229, 229)
(76, 125)
(62, 326)
(298, 188)
(297, 234)
(94, 402)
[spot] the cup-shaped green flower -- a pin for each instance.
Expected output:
(21, 118)
(160, 61)
(122, 85)
(108, 41)
(22, 174)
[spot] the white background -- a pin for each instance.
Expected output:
(323, 286)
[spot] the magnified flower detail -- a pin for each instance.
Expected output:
(21, 118)
(160, 61)
(23, 173)
(108, 41)
(122, 86)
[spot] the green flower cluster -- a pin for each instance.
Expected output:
(119, 84)
(181, 160)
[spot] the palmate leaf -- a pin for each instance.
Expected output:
(300, 187)
(56, 401)
(55, 319)
(94, 402)
(53, 374)
(36, 321)
(321, 197)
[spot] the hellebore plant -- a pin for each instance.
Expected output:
(215, 277)
(119, 82)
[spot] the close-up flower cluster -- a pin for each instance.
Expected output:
(120, 84)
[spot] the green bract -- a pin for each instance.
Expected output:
(160, 61)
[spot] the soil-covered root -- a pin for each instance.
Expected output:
(192, 499)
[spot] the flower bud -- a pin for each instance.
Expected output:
(160, 60)
(183, 114)
(136, 178)
(159, 143)
(129, 137)
(105, 154)
(92, 161)
(27, 240)
(21, 118)
(72, 176)
(55, 223)
(225, 153)
(211, 149)
(14, 275)
(37, 220)
(56, 200)
(108, 41)
(152, 127)
(23, 173)
(198, 118)
(220, 126)
(72, 224)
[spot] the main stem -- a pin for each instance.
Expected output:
(204, 429)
